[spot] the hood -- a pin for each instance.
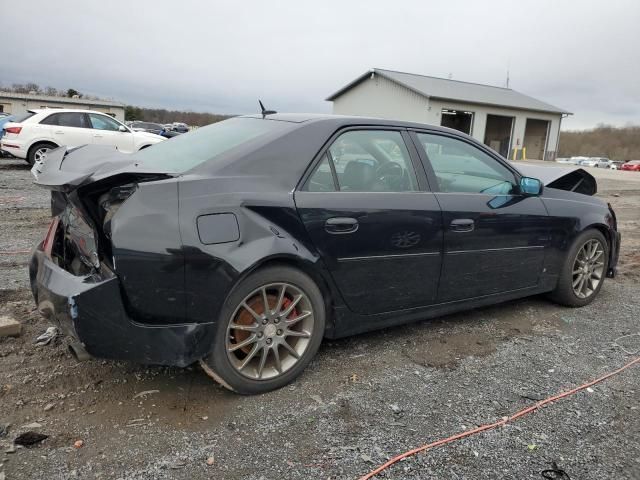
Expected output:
(571, 179)
(65, 169)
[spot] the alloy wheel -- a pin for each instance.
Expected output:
(588, 268)
(269, 331)
(40, 153)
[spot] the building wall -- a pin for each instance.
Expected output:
(382, 98)
(18, 106)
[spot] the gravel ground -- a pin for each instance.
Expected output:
(363, 399)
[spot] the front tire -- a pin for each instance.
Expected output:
(584, 270)
(270, 328)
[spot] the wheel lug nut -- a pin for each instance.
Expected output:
(279, 332)
(260, 334)
(276, 320)
(265, 321)
(268, 341)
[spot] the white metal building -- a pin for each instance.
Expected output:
(20, 103)
(513, 124)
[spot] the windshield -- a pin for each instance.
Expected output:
(206, 143)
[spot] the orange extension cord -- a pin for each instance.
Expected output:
(491, 426)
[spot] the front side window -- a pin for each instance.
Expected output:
(463, 168)
(102, 122)
(366, 161)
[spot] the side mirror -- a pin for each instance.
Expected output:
(530, 186)
(122, 128)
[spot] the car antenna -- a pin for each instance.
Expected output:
(265, 112)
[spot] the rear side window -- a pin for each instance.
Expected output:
(67, 119)
(23, 117)
(366, 161)
(207, 143)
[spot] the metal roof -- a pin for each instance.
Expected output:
(49, 98)
(442, 88)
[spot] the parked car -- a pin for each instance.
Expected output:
(589, 162)
(246, 242)
(40, 131)
(179, 127)
(632, 165)
(149, 127)
(603, 162)
(615, 165)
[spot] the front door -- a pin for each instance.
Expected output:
(106, 131)
(377, 230)
(494, 237)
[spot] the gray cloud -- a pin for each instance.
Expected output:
(221, 56)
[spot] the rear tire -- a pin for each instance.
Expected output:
(583, 271)
(274, 339)
(37, 150)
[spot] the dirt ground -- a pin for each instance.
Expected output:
(363, 399)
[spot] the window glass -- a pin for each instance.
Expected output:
(102, 122)
(322, 178)
(67, 119)
(373, 161)
(208, 143)
(463, 168)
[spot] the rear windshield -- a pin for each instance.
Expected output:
(23, 117)
(187, 151)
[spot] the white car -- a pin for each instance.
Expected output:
(43, 130)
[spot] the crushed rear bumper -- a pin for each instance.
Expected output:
(92, 311)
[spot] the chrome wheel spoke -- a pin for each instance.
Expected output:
(283, 290)
(293, 321)
(290, 349)
(246, 306)
(276, 356)
(245, 328)
(263, 360)
(252, 354)
(244, 343)
(296, 333)
(291, 306)
(265, 301)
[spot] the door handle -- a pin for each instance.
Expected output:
(462, 225)
(97, 136)
(59, 132)
(340, 225)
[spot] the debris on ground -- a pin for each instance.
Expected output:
(9, 327)
(211, 461)
(28, 439)
(78, 444)
(47, 336)
(145, 393)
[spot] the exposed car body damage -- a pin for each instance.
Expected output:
(141, 258)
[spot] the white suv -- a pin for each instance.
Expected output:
(42, 130)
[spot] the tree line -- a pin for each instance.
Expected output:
(34, 88)
(603, 141)
(161, 115)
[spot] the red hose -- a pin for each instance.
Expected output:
(500, 423)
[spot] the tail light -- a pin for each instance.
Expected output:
(14, 130)
(50, 238)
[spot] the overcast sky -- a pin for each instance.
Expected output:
(220, 56)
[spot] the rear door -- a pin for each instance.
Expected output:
(370, 216)
(106, 131)
(494, 237)
(70, 129)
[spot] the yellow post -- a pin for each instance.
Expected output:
(524, 153)
(515, 151)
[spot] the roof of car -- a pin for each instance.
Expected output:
(64, 110)
(347, 120)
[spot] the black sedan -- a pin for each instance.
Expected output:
(244, 243)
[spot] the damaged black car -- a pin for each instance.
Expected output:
(243, 244)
